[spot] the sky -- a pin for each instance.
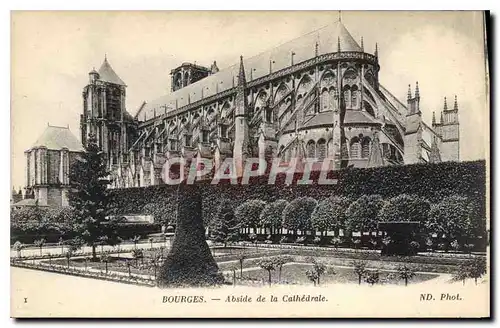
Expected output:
(52, 53)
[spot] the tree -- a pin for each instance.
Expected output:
(103, 240)
(61, 243)
(18, 247)
(225, 228)
(267, 264)
(280, 261)
(270, 217)
(406, 208)
(105, 258)
(89, 197)
(372, 277)
(241, 258)
(462, 273)
(39, 243)
(362, 214)
(312, 275)
(451, 218)
(248, 213)
(406, 272)
(359, 269)
(155, 260)
(477, 268)
(189, 262)
(319, 268)
(137, 254)
(135, 240)
(330, 214)
(297, 214)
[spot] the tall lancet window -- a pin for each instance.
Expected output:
(354, 97)
(321, 150)
(311, 149)
(347, 96)
(325, 100)
(365, 147)
(355, 149)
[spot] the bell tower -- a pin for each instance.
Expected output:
(104, 112)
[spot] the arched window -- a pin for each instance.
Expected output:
(333, 101)
(355, 148)
(325, 100)
(304, 86)
(311, 149)
(347, 96)
(269, 115)
(321, 149)
(354, 97)
(330, 149)
(365, 147)
(368, 108)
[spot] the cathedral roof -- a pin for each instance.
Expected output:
(57, 138)
(107, 74)
(277, 58)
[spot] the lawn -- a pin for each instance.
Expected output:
(295, 273)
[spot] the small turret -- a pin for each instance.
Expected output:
(93, 76)
(433, 119)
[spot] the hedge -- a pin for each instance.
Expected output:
(431, 181)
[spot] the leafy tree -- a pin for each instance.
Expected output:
(248, 213)
(280, 261)
(319, 268)
(61, 243)
(477, 268)
(135, 240)
(312, 275)
(336, 241)
(18, 247)
(330, 214)
(297, 214)
(372, 277)
(105, 258)
(451, 218)
(241, 258)
(270, 217)
(462, 273)
(362, 214)
(477, 217)
(405, 208)
(225, 228)
(89, 197)
(40, 243)
(137, 254)
(406, 272)
(359, 269)
(267, 264)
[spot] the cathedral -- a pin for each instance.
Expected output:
(317, 96)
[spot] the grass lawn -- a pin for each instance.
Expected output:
(296, 273)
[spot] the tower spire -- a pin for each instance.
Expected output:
(340, 16)
(455, 105)
(417, 91)
(433, 118)
(445, 107)
(241, 75)
(376, 49)
(362, 45)
(409, 91)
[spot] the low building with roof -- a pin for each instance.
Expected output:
(48, 163)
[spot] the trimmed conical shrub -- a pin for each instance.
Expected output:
(189, 262)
